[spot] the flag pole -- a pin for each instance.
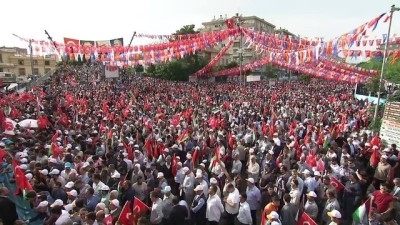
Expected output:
(392, 10)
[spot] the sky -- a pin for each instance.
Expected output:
(102, 20)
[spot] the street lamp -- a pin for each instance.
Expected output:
(240, 50)
(392, 10)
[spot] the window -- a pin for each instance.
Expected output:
(1, 70)
(21, 62)
(35, 62)
(21, 71)
(1, 58)
(47, 70)
(35, 71)
(47, 63)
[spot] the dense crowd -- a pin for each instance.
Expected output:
(192, 153)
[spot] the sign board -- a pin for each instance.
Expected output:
(111, 71)
(253, 78)
(390, 129)
(271, 83)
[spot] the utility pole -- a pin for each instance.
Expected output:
(130, 43)
(392, 10)
(30, 49)
(240, 51)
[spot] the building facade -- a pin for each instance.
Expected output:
(251, 22)
(17, 61)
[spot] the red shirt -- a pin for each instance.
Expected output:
(382, 201)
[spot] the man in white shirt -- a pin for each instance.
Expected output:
(200, 180)
(236, 164)
(253, 170)
(188, 185)
(253, 198)
(214, 207)
(244, 216)
(97, 184)
(231, 203)
(309, 182)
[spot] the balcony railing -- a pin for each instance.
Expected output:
(6, 64)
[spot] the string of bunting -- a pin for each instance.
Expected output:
(216, 59)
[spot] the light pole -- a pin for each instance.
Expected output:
(392, 10)
(240, 51)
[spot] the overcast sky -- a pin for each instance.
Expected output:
(99, 20)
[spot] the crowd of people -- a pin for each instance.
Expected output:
(215, 153)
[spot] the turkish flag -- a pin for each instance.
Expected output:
(108, 220)
(139, 208)
(174, 169)
(42, 122)
(20, 180)
(336, 184)
(305, 220)
(55, 150)
(229, 23)
(129, 151)
(55, 136)
(126, 217)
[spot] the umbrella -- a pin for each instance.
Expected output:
(28, 123)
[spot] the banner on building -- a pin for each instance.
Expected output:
(117, 42)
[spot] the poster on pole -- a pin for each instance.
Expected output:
(390, 128)
(111, 71)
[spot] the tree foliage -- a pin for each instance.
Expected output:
(187, 29)
(372, 84)
(180, 69)
(304, 78)
(271, 71)
(392, 70)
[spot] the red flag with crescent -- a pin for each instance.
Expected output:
(139, 208)
(305, 220)
(336, 184)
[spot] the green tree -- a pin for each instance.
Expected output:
(187, 29)
(151, 69)
(139, 68)
(372, 84)
(392, 71)
(80, 63)
(271, 71)
(232, 64)
(304, 78)
(84, 61)
(130, 70)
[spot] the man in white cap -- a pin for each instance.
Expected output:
(105, 195)
(309, 181)
(162, 182)
(214, 183)
(253, 169)
(335, 217)
(311, 207)
(273, 217)
(115, 210)
(136, 173)
(55, 177)
(253, 198)
(188, 184)
(199, 206)
(381, 172)
(167, 203)
(200, 180)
